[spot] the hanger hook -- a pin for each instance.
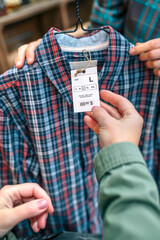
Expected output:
(79, 20)
(78, 14)
(77, 9)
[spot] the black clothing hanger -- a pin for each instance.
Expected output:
(79, 20)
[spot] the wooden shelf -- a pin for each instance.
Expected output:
(24, 13)
(30, 10)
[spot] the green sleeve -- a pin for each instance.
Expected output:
(9, 236)
(128, 195)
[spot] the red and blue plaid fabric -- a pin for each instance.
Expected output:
(42, 140)
(137, 20)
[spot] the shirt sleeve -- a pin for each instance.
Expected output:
(128, 195)
(17, 161)
(109, 13)
(9, 236)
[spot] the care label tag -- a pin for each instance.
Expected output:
(85, 89)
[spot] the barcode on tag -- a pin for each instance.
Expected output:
(85, 90)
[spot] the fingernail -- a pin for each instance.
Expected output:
(37, 227)
(29, 60)
(44, 223)
(93, 108)
(18, 63)
(132, 51)
(42, 204)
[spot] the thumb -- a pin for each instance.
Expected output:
(101, 116)
(27, 210)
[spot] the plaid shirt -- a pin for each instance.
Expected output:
(137, 20)
(42, 140)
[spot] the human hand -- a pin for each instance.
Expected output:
(149, 52)
(23, 201)
(26, 52)
(121, 123)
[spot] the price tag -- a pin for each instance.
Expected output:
(85, 89)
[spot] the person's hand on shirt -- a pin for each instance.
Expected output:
(120, 123)
(150, 53)
(23, 201)
(26, 52)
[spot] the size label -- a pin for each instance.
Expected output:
(85, 90)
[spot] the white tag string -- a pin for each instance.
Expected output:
(89, 62)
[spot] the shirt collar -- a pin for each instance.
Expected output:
(50, 57)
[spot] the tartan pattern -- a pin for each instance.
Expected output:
(42, 140)
(137, 20)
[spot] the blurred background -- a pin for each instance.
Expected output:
(23, 21)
